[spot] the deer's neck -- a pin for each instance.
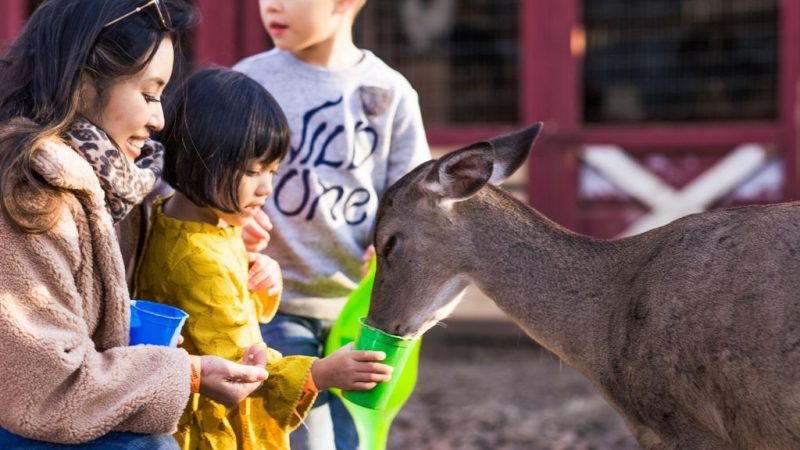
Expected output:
(557, 285)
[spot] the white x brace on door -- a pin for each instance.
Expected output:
(666, 203)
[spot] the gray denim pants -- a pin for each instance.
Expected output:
(331, 426)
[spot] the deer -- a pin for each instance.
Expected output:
(690, 331)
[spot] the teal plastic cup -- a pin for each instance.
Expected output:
(155, 324)
(397, 350)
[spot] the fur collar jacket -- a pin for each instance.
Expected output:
(67, 373)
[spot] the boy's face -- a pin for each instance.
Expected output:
(298, 25)
(254, 188)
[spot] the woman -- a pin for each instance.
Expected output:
(80, 93)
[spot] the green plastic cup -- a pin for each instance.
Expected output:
(397, 350)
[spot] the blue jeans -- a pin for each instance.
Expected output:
(295, 335)
(113, 440)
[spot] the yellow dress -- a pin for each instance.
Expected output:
(202, 269)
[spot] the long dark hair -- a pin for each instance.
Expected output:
(219, 122)
(64, 44)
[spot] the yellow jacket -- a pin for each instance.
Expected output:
(202, 269)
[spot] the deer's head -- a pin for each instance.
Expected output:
(422, 237)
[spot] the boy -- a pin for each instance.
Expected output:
(356, 129)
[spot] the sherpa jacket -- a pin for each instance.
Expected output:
(66, 372)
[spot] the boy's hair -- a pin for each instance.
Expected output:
(220, 122)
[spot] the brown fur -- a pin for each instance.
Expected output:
(67, 373)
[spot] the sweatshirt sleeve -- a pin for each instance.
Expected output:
(55, 384)
(409, 145)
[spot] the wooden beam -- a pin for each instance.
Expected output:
(12, 17)
(253, 38)
(788, 96)
(215, 41)
(551, 93)
(694, 137)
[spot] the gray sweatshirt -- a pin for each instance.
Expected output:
(354, 132)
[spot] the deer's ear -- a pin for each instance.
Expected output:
(459, 175)
(511, 150)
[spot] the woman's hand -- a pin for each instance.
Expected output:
(350, 370)
(256, 233)
(227, 382)
(264, 274)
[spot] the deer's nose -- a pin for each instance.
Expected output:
(387, 327)
(400, 329)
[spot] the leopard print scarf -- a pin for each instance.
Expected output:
(125, 183)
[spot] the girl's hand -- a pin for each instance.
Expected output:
(256, 233)
(350, 370)
(366, 258)
(255, 355)
(264, 274)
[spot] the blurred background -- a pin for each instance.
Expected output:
(653, 109)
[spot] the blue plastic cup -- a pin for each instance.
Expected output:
(155, 323)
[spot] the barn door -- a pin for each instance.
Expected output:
(662, 108)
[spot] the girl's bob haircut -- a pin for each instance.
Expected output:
(219, 123)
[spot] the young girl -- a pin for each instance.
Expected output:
(224, 139)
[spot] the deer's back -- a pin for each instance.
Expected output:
(711, 322)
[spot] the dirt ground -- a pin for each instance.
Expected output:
(487, 386)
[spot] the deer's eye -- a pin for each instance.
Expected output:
(390, 244)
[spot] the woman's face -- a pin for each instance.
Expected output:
(131, 108)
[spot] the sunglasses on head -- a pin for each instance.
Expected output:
(163, 14)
